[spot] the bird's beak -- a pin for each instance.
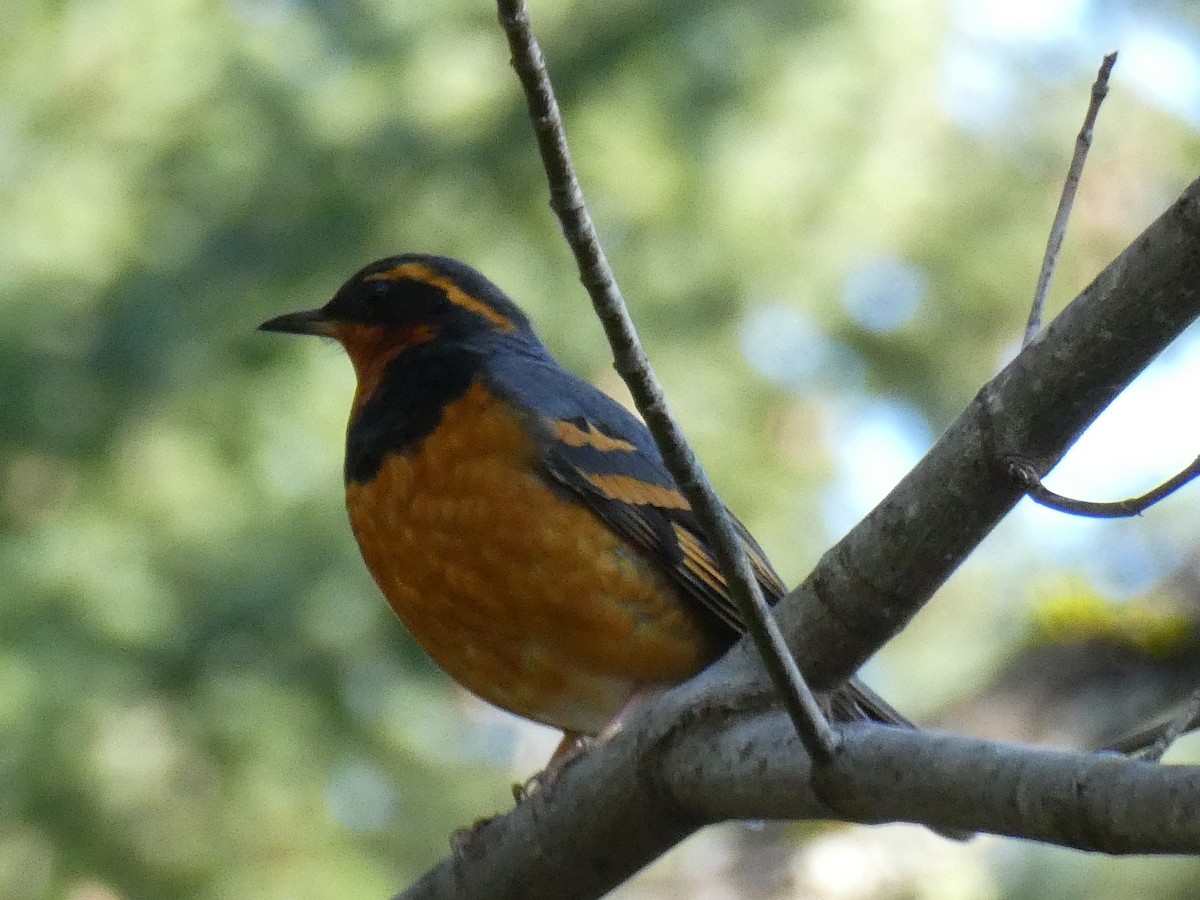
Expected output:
(311, 321)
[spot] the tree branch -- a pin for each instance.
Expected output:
(1088, 801)
(1173, 729)
(645, 792)
(620, 806)
(1058, 230)
(1154, 741)
(1028, 477)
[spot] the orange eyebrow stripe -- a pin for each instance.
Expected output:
(574, 436)
(454, 293)
(627, 489)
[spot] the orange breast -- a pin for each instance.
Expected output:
(522, 596)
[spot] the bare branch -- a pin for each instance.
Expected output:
(634, 367)
(1058, 229)
(645, 792)
(1024, 472)
(1088, 801)
(1175, 728)
(1153, 742)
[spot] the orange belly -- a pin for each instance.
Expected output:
(522, 596)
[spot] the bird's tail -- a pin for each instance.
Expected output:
(857, 701)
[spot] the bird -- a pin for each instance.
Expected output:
(520, 522)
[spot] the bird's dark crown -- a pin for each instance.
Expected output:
(418, 289)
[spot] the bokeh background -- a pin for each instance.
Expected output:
(828, 217)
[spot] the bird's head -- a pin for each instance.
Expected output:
(405, 301)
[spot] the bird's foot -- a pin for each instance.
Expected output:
(572, 746)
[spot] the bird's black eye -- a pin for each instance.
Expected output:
(375, 299)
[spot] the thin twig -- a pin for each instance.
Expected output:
(1058, 230)
(1025, 473)
(1184, 720)
(1152, 742)
(566, 198)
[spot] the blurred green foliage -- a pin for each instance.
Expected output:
(201, 694)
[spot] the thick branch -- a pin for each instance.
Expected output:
(1088, 801)
(696, 760)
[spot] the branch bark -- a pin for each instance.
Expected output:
(1058, 230)
(1089, 801)
(695, 761)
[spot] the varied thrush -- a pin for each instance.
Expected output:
(520, 522)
